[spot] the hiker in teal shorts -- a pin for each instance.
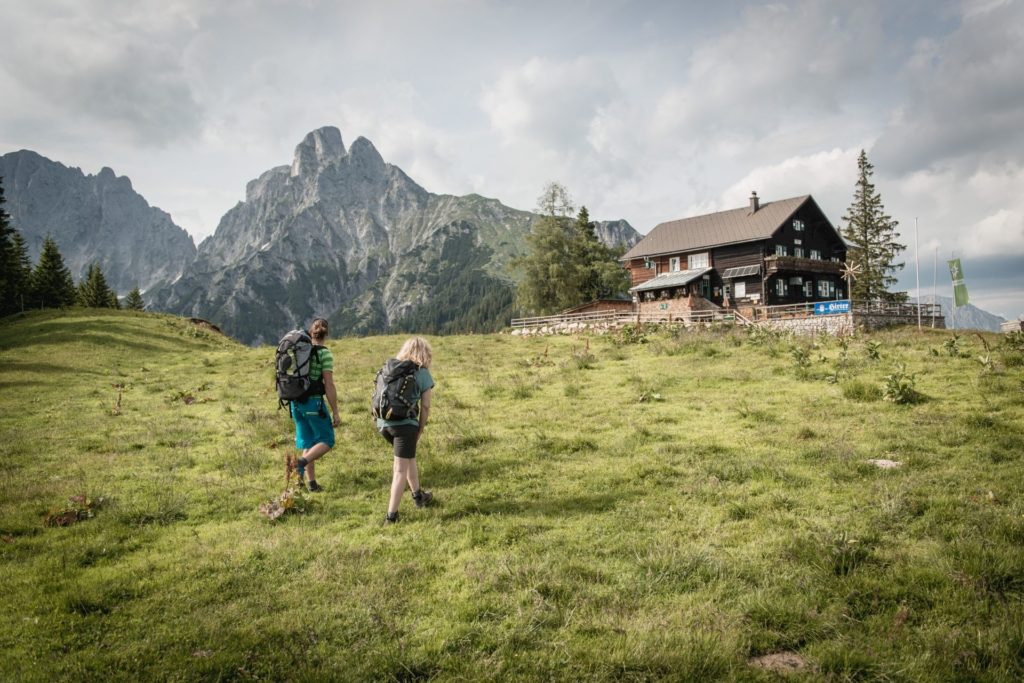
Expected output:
(314, 429)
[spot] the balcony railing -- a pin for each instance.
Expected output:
(786, 264)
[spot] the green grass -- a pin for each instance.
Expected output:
(624, 511)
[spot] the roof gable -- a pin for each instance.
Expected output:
(717, 229)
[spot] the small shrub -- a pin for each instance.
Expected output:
(899, 386)
(873, 350)
(633, 334)
(952, 346)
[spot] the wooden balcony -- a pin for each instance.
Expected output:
(792, 264)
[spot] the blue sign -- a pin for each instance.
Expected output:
(832, 307)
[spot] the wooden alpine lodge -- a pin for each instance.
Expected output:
(774, 261)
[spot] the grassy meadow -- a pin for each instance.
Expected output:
(651, 505)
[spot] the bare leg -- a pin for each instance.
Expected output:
(311, 454)
(412, 475)
(398, 479)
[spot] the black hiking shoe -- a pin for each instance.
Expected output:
(391, 518)
(422, 498)
(315, 487)
(300, 469)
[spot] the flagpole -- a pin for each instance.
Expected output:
(935, 279)
(917, 273)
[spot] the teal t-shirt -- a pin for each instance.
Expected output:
(424, 382)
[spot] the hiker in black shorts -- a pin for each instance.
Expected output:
(404, 434)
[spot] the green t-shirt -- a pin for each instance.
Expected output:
(322, 361)
(424, 382)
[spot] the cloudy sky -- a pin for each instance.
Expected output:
(648, 111)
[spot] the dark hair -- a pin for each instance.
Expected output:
(318, 328)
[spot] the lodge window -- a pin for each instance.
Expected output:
(741, 289)
(673, 264)
(697, 261)
(780, 249)
(825, 288)
(816, 254)
(705, 286)
(798, 252)
(781, 287)
(798, 225)
(809, 288)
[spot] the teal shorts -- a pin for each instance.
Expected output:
(312, 423)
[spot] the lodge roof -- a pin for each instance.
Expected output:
(716, 229)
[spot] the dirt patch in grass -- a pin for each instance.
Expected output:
(780, 662)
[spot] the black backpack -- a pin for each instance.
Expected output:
(294, 356)
(395, 394)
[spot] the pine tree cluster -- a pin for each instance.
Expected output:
(566, 264)
(49, 284)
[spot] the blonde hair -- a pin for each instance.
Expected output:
(417, 349)
(318, 330)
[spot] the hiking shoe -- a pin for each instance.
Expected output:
(300, 469)
(422, 498)
(315, 487)
(391, 518)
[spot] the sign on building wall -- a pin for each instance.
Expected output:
(832, 307)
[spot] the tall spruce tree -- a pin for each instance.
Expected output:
(14, 284)
(52, 286)
(871, 238)
(21, 273)
(134, 302)
(93, 291)
(602, 275)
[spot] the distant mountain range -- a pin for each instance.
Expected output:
(93, 219)
(968, 317)
(339, 233)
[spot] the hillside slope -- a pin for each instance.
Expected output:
(657, 505)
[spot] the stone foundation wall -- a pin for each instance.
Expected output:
(838, 325)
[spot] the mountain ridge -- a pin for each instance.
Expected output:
(93, 219)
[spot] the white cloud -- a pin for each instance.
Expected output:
(552, 104)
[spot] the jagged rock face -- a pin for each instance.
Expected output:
(344, 234)
(94, 219)
(617, 234)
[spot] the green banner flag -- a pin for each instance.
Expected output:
(956, 271)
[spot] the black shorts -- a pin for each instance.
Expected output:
(403, 438)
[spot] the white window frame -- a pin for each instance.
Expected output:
(816, 254)
(826, 289)
(780, 250)
(809, 288)
(702, 260)
(798, 225)
(781, 287)
(673, 264)
(798, 252)
(740, 287)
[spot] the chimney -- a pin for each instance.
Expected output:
(754, 204)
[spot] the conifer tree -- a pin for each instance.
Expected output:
(566, 264)
(871, 238)
(550, 278)
(13, 257)
(21, 273)
(52, 286)
(93, 291)
(134, 302)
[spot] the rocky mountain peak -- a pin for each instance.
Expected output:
(319, 148)
(365, 155)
